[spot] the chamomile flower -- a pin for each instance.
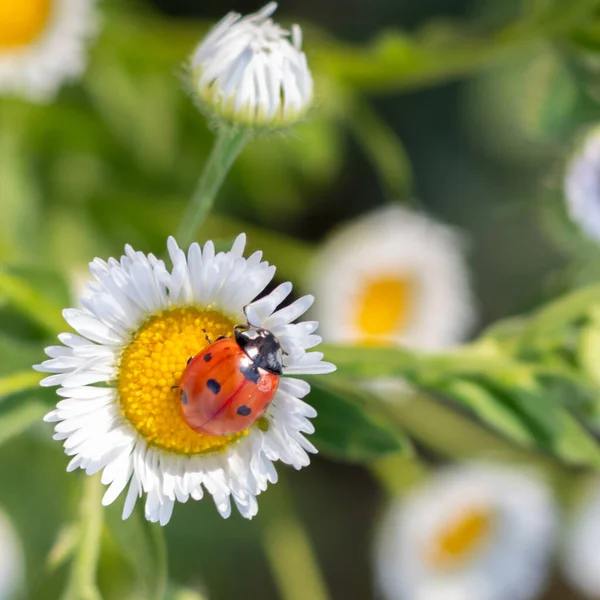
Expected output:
(581, 561)
(249, 70)
(582, 186)
(481, 532)
(11, 560)
(42, 44)
(120, 410)
(393, 277)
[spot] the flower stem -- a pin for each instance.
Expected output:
(227, 146)
(288, 549)
(82, 579)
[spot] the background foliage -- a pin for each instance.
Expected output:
(470, 107)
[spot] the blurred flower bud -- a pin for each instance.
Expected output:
(582, 186)
(250, 71)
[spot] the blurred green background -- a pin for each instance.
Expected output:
(115, 158)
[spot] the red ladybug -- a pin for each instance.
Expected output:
(230, 384)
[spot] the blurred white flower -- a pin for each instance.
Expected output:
(42, 44)
(582, 186)
(395, 277)
(478, 532)
(251, 71)
(12, 566)
(581, 559)
(139, 324)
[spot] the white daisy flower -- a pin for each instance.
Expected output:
(42, 44)
(582, 186)
(12, 563)
(481, 532)
(581, 560)
(251, 71)
(138, 326)
(393, 277)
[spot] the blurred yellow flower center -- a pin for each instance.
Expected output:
(383, 308)
(151, 366)
(461, 537)
(22, 21)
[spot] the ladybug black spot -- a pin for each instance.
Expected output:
(207, 357)
(244, 411)
(214, 386)
(250, 371)
(183, 397)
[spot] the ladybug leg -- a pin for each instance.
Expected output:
(207, 339)
(189, 360)
(174, 387)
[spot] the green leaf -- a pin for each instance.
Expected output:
(443, 51)
(17, 355)
(143, 544)
(16, 421)
(589, 352)
(486, 406)
(527, 413)
(35, 305)
(18, 382)
(345, 429)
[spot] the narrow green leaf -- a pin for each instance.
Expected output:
(17, 420)
(17, 355)
(528, 414)
(589, 352)
(18, 382)
(396, 61)
(143, 544)
(486, 406)
(31, 303)
(344, 429)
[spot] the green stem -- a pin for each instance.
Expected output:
(288, 549)
(158, 542)
(82, 579)
(227, 146)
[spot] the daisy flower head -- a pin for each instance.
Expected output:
(470, 532)
(582, 186)
(250, 71)
(122, 409)
(581, 562)
(393, 277)
(43, 44)
(12, 563)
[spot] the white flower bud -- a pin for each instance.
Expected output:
(582, 186)
(251, 71)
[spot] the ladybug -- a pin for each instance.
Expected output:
(230, 384)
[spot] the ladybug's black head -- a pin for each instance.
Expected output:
(261, 346)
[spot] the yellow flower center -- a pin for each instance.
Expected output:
(461, 537)
(152, 365)
(22, 21)
(384, 307)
